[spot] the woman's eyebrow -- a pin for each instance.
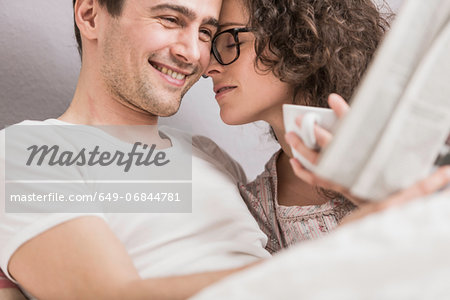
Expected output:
(228, 24)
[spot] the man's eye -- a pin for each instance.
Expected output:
(169, 20)
(206, 35)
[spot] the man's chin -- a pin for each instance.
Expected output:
(164, 110)
(168, 114)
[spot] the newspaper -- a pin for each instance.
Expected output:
(399, 122)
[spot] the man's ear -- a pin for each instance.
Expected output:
(86, 17)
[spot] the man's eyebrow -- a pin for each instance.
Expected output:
(212, 21)
(190, 14)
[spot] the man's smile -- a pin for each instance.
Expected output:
(172, 75)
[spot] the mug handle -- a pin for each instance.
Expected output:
(307, 130)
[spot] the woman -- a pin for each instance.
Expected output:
(273, 52)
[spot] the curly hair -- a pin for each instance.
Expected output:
(318, 46)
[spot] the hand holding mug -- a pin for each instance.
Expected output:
(306, 157)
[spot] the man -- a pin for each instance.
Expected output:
(138, 59)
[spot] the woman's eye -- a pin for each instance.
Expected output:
(233, 45)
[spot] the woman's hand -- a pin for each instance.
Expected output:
(323, 137)
(429, 185)
(436, 181)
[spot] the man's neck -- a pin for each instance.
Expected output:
(97, 109)
(92, 105)
(93, 111)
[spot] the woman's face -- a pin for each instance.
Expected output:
(243, 93)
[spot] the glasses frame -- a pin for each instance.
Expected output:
(234, 32)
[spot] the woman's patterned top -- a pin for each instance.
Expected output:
(288, 225)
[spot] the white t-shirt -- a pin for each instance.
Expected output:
(220, 233)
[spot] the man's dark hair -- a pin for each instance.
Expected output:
(114, 8)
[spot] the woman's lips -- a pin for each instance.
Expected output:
(224, 90)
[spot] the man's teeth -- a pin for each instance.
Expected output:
(169, 72)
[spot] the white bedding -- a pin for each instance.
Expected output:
(403, 253)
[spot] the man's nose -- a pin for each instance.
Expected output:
(187, 48)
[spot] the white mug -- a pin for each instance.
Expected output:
(324, 117)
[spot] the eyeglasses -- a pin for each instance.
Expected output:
(225, 45)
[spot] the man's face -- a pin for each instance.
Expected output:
(156, 50)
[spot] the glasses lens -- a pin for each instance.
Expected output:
(225, 48)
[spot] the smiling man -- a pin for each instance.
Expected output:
(139, 57)
(142, 55)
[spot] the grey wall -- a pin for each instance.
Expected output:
(39, 66)
(38, 61)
